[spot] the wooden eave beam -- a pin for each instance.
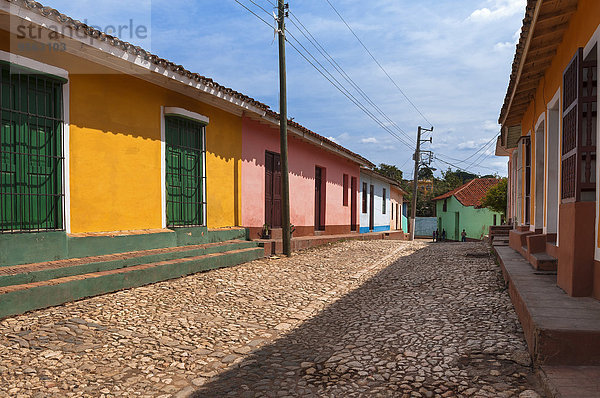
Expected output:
(561, 12)
(534, 18)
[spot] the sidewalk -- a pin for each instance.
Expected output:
(562, 332)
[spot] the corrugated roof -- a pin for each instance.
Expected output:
(74, 24)
(471, 193)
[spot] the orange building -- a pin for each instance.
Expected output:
(549, 132)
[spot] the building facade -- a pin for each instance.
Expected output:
(549, 134)
(315, 165)
(374, 201)
(397, 220)
(460, 209)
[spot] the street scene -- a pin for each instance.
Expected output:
(376, 318)
(316, 198)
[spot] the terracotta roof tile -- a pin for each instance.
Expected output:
(471, 193)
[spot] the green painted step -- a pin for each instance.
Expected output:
(22, 298)
(63, 268)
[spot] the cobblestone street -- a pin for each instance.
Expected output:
(358, 318)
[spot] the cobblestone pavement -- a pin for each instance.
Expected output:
(373, 318)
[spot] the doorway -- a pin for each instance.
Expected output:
(272, 189)
(371, 208)
(319, 198)
(539, 176)
(353, 209)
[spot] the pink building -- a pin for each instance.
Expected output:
(323, 179)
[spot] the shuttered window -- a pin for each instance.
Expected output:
(186, 180)
(31, 158)
(578, 158)
(383, 202)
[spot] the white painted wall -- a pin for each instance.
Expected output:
(381, 221)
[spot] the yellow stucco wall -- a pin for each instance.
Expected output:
(114, 149)
(582, 26)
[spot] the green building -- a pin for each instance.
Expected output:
(461, 209)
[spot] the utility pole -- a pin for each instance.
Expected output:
(285, 184)
(417, 157)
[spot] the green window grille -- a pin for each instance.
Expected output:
(31, 155)
(186, 180)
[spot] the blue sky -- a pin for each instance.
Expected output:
(451, 58)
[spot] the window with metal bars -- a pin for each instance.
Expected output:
(185, 166)
(31, 150)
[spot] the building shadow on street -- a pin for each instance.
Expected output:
(374, 318)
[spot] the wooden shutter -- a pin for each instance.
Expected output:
(345, 188)
(578, 157)
(269, 188)
(364, 197)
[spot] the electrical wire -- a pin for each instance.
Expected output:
(378, 63)
(310, 37)
(324, 72)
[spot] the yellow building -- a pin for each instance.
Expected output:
(101, 138)
(550, 132)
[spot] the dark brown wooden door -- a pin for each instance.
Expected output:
(372, 208)
(319, 198)
(353, 204)
(272, 189)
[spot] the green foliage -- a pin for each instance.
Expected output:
(496, 197)
(390, 171)
(425, 173)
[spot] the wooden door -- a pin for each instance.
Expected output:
(353, 204)
(372, 208)
(319, 198)
(272, 189)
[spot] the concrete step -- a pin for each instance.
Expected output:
(20, 298)
(29, 273)
(560, 330)
(543, 262)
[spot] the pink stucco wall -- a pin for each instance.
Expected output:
(302, 159)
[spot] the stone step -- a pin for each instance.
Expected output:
(543, 262)
(18, 299)
(37, 272)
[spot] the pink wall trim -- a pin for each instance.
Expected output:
(303, 157)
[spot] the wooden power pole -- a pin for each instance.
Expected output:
(417, 157)
(285, 184)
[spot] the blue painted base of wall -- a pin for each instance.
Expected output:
(377, 228)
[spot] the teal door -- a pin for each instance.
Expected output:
(185, 172)
(30, 151)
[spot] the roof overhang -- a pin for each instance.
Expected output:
(97, 47)
(543, 29)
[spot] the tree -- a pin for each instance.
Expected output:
(425, 173)
(496, 197)
(390, 171)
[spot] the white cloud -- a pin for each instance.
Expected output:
(370, 140)
(499, 9)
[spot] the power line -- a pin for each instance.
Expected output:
(255, 14)
(325, 71)
(350, 97)
(379, 64)
(342, 72)
(476, 152)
